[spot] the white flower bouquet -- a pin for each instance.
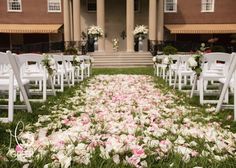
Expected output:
(140, 31)
(95, 31)
(49, 63)
(115, 44)
(76, 62)
(195, 63)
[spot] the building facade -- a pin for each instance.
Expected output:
(179, 22)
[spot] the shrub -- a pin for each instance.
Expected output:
(169, 50)
(217, 48)
(70, 51)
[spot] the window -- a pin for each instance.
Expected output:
(170, 6)
(137, 5)
(54, 5)
(208, 5)
(14, 5)
(91, 5)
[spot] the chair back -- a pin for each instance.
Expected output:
(30, 57)
(217, 58)
(14, 62)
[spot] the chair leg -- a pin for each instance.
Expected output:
(40, 85)
(175, 80)
(157, 69)
(163, 73)
(180, 82)
(62, 82)
(185, 80)
(82, 74)
(44, 89)
(234, 95)
(201, 83)
(170, 77)
(14, 94)
(11, 99)
(235, 100)
(73, 77)
(89, 71)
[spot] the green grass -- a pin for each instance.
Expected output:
(44, 109)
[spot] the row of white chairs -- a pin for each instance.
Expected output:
(18, 72)
(215, 71)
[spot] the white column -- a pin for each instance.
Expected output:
(101, 23)
(67, 38)
(130, 25)
(71, 20)
(160, 21)
(152, 19)
(76, 20)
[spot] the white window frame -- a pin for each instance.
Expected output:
(174, 7)
(14, 10)
(204, 8)
(54, 11)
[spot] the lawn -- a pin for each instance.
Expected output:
(169, 159)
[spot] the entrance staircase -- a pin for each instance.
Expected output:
(121, 59)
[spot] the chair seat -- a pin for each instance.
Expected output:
(223, 80)
(161, 65)
(33, 76)
(212, 76)
(4, 83)
(187, 72)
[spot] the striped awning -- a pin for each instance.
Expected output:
(29, 28)
(201, 28)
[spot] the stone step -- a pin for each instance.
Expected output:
(122, 63)
(122, 59)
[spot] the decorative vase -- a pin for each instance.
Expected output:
(95, 43)
(140, 44)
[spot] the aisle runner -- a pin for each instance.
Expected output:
(128, 120)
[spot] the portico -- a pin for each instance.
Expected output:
(116, 21)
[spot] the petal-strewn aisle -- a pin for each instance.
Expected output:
(127, 119)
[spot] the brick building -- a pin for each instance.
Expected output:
(41, 25)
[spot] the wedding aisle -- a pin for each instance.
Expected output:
(124, 120)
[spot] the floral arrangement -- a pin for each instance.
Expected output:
(195, 62)
(115, 44)
(167, 60)
(140, 31)
(49, 63)
(76, 62)
(120, 123)
(154, 59)
(95, 31)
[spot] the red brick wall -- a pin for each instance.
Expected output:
(33, 11)
(189, 11)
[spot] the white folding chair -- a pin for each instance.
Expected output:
(75, 72)
(230, 81)
(86, 65)
(173, 68)
(160, 67)
(33, 70)
(215, 66)
(61, 72)
(183, 72)
(12, 82)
